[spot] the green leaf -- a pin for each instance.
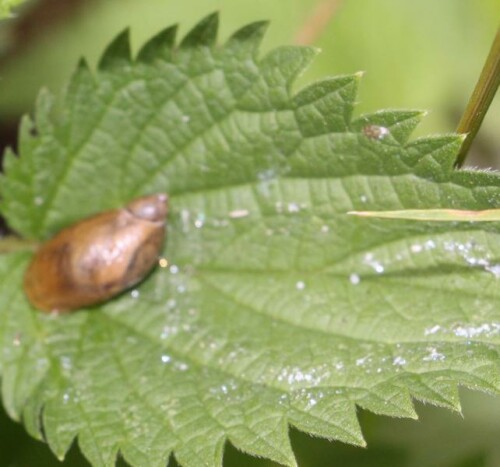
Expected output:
(278, 307)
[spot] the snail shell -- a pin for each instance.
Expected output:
(98, 257)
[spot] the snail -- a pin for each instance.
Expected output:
(97, 258)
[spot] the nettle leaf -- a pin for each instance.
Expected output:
(277, 307)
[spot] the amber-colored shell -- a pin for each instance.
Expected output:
(98, 257)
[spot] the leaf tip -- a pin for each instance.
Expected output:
(117, 52)
(203, 33)
(82, 64)
(160, 45)
(249, 36)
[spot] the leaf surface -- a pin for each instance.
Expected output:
(277, 307)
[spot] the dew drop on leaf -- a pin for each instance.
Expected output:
(399, 361)
(181, 366)
(300, 285)
(165, 358)
(239, 213)
(17, 340)
(354, 279)
(494, 269)
(135, 293)
(200, 221)
(432, 330)
(416, 248)
(433, 355)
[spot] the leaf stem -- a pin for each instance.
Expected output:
(13, 244)
(480, 100)
(317, 22)
(451, 215)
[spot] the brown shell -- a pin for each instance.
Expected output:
(98, 257)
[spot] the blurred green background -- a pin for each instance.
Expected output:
(424, 54)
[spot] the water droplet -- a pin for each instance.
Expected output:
(468, 332)
(430, 245)
(373, 263)
(181, 366)
(416, 248)
(17, 339)
(239, 213)
(294, 375)
(361, 361)
(434, 355)
(494, 269)
(399, 361)
(283, 399)
(135, 293)
(375, 131)
(200, 221)
(432, 330)
(354, 279)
